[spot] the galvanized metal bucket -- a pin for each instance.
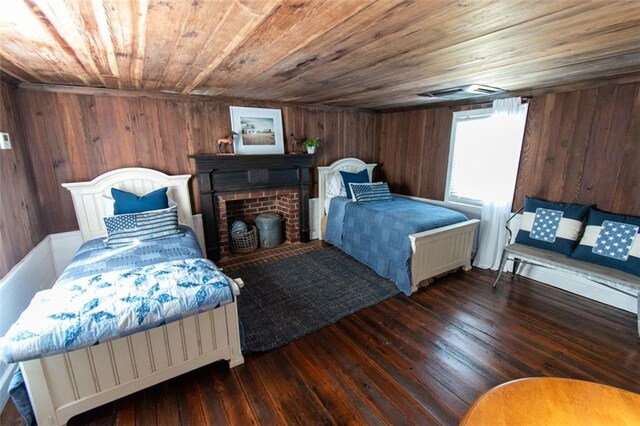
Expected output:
(269, 229)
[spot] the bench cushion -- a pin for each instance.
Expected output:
(611, 240)
(551, 226)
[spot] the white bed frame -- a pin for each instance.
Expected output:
(62, 386)
(434, 252)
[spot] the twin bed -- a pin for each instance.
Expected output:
(407, 241)
(187, 317)
(183, 313)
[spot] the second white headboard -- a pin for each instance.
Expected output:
(352, 165)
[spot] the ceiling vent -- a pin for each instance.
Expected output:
(462, 92)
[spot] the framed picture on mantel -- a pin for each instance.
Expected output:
(260, 130)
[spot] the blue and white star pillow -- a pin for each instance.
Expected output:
(551, 226)
(611, 240)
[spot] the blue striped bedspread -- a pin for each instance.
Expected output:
(107, 293)
(377, 233)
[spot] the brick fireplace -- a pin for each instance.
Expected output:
(243, 186)
(247, 205)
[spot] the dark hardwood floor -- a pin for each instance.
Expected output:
(422, 359)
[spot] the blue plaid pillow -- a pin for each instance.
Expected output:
(611, 240)
(551, 226)
(370, 192)
(126, 229)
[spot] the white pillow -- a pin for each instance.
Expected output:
(333, 188)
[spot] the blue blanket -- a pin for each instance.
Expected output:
(123, 292)
(377, 233)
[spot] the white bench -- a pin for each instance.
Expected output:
(522, 254)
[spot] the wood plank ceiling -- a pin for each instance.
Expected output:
(357, 53)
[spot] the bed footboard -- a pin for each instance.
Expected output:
(441, 250)
(62, 386)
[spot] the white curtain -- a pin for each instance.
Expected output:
(499, 179)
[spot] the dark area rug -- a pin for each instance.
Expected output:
(289, 298)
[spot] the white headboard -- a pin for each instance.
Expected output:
(92, 201)
(352, 165)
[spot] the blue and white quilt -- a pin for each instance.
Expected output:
(86, 309)
(377, 233)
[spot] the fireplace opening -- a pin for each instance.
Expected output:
(246, 206)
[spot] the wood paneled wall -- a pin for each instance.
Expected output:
(581, 146)
(584, 147)
(76, 137)
(20, 228)
(414, 151)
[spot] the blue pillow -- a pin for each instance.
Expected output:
(611, 240)
(551, 226)
(360, 177)
(370, 192)
(126, 202)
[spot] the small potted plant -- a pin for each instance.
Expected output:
(311, 144)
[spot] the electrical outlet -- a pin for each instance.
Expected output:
(5, 142)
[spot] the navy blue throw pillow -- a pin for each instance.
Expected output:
(126, 202)
(360, 177)
(611, 240)
(551, 226)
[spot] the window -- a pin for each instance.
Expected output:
(470, 145)
(484, 154)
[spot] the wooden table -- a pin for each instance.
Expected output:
(554, 401)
